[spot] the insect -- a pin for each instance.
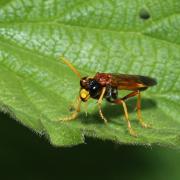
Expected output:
(106, 86)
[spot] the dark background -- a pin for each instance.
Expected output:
(26, 155)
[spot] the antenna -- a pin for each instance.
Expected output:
(70, 66)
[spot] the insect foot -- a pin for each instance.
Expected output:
(132, 133)
(145, 125)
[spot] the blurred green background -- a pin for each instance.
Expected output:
(26, 155)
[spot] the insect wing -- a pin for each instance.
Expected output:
(131, 82)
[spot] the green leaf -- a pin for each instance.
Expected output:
(134, 37)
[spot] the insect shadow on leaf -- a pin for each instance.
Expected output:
(112, 111)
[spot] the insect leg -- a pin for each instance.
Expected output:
(131, 131)
(86, 107)
(99, 104)
(143, 124)
(134, 93)
(137, 93)
(75, 113)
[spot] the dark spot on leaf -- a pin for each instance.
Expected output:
(144, 14)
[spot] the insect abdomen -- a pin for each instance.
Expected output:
(148, 81)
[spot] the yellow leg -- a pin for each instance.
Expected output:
(138, 107)
(75, 113)
(99, 104)
(141, 121)
(131, 131)
(86, 107)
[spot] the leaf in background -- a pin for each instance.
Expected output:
(135, 37)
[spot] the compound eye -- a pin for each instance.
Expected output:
(94, 88)
(84, 82)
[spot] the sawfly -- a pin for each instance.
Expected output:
(106, 86)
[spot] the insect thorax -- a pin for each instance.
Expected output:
(111, 93)
(91, 87)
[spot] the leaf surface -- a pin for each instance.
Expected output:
(132, 37)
